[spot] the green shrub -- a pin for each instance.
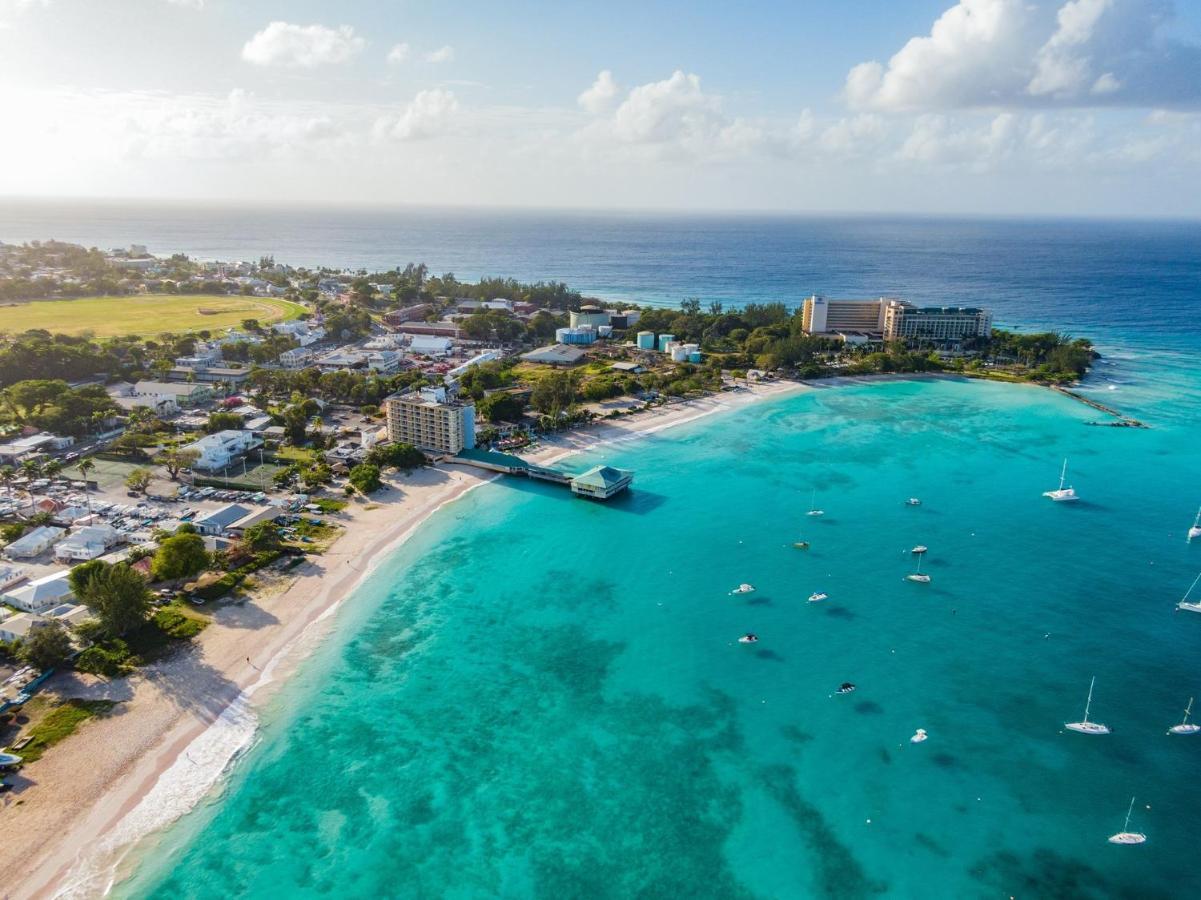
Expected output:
(109, 659)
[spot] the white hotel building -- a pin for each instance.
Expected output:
(892, 319)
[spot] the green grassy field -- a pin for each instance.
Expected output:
(143, 314)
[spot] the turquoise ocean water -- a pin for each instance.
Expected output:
(540, 696)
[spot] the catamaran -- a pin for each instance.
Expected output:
(1126, 836)
(1085, 726)
(1184, 727)
(1185, 603)
(1195, 531)
(919, 576)
(1061, 493)
(813, 510)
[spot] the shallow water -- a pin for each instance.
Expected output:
(540, 696)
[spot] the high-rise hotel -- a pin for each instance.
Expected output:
(894, 319)
(431, 418)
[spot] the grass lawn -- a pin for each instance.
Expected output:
(60, 723)
(143, 314)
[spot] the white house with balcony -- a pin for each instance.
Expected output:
(216, 451)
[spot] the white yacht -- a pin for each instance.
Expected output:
(1184, 727)
(1061, 493)
(919, 549)
(1085, 726)
(918, 575)
(1190, 605)
(1195, 531)
(744, 588)
(749, 639)
(919, 736)
(818, 596)
(1126, 836)
(913, 501)
(813, 510)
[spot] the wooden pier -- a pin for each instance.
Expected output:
(598, 483)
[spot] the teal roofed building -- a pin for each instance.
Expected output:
(601, 482)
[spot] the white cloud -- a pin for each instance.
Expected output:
(398, 54)
(1014, 53)
(443, 54)
(855, 136)
(302, 46)
(600, 96)
(429, 114)
(190, 4)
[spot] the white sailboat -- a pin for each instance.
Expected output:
(1190, 605)
(818, 596)
(1061, 493)
(919, 576)
(1195, 531)
(1126, 836)
(1184, 727)
(1085, 726)
(919, 549)
(813, 510)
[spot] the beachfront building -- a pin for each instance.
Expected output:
(822, 315)
(890, 319)
(941, 324)
(218, 450)
(431, 419)
(601, 482)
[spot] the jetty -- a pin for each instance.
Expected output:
(598, 483)
(1123, 420)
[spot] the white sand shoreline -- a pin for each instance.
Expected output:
(180, 749)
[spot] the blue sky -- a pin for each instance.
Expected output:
(978, 106)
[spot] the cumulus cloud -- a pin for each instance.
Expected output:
(427, 115)
(398, 54)
(600, 96)
(1014, 53)
(443, 54)
(302, 46)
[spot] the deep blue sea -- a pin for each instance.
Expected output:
(544, 697)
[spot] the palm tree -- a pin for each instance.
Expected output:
(51, 468)
(31, 469)
(85, 466)
(7, 473)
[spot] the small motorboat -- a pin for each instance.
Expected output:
(919, 549)
(818, 596)
(845, 688)
(744, 588)
(749, 639)
(9, 759)
(919, 577)
(913, 501)
(919, 736)
(801, 545)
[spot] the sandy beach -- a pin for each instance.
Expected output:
(181, 722)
